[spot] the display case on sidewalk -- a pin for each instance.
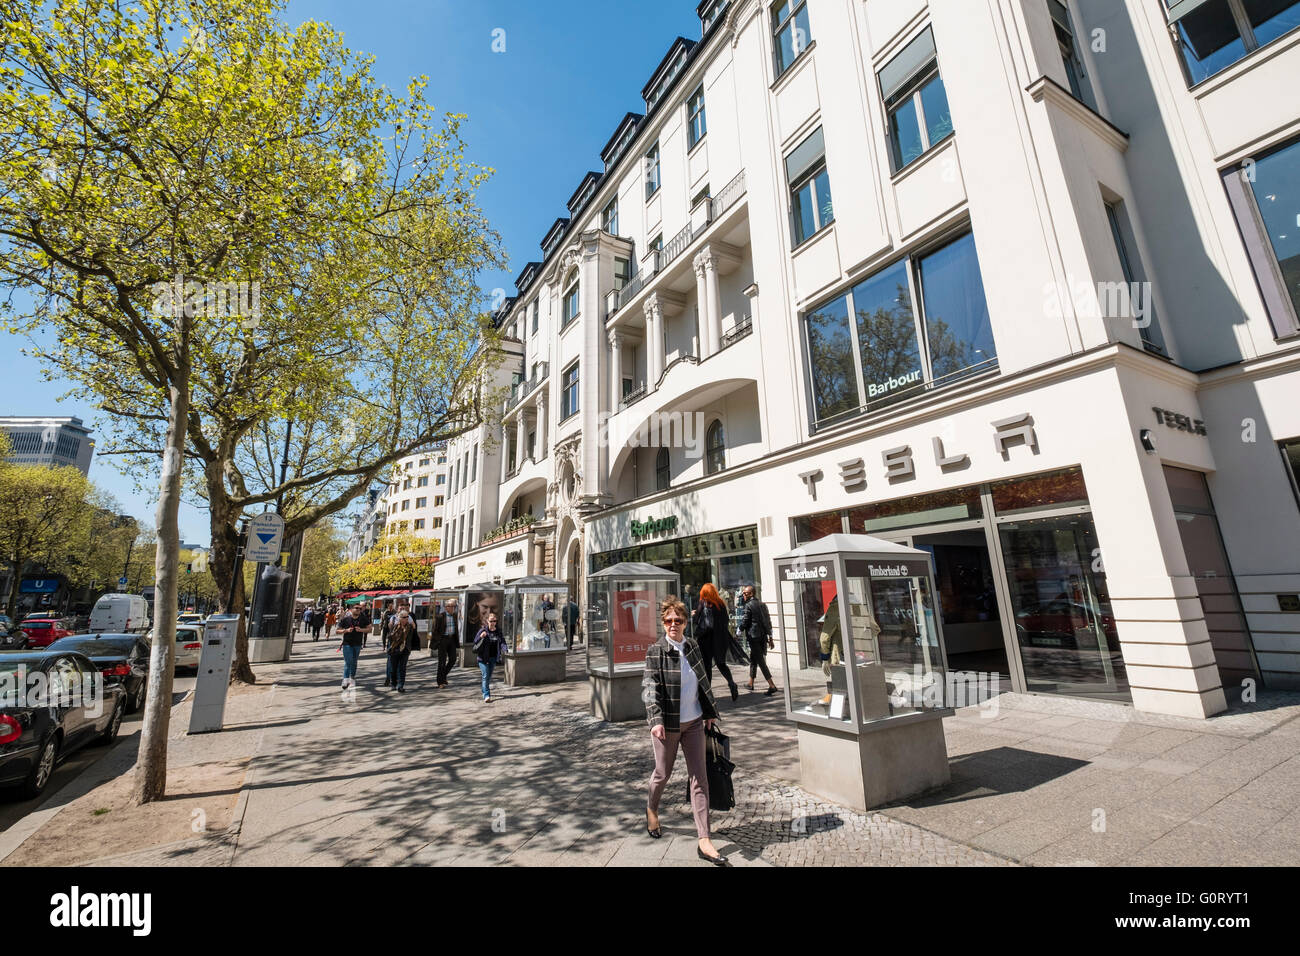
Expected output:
(622, 621)
(863, 656)
(535, 647)
(476, 602)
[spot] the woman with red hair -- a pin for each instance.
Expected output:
(710, 626)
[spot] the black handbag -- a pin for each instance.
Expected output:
(722, 795)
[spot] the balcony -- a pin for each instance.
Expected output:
(715, 208)
(743, 328)
(522, 390)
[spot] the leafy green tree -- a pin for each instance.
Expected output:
(154, 156)
(322, 553)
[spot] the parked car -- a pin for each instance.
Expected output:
(11, 636)
(120, 614)
(189, 645)
(43, 631)
(36, 733)
(121, 658)
(190, 617)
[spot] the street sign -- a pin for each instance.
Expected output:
(121, 582)
(265, 532)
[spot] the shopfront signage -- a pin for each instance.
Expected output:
(807, 574)
(900, 463)
(514, 557)
(651, 526)
(1179, 421)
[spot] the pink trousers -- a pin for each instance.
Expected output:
(691, 738)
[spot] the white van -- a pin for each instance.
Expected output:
(120, 614)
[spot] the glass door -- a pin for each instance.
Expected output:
(1060, 608)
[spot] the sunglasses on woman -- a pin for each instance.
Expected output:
(674, 621)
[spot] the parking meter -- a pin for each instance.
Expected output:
(215, 661)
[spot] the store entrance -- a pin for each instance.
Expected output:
(972, 621)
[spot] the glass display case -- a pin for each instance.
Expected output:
(861, 641)
(865, 668)
(622, 621)
(533, 606)
(476, 602)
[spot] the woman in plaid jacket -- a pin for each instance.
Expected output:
(679, 706)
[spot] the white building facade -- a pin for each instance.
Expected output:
(1012, 281)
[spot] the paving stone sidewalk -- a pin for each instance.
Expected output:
(435, 777)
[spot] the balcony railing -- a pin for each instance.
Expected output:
(742, 329)
(632, 397)
(718, 205)
(726, 198)
(522, 390)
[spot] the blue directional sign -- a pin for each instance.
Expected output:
(265, 533)
(121, 582)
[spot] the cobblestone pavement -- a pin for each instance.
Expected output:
(437, 777)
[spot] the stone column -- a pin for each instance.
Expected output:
(521, 440)
(505, 454)
(708, 345)
(714, 312)
(542, 427)
(654, 338)
(615, 370)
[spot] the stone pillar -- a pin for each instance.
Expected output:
(615, 370)
(654, 339)
(521, 440)
(713, 314)
(542, 427)
(505, 454)
(708, 345)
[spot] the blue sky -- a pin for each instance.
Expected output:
(539, 114)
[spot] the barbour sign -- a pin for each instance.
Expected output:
(644, 529)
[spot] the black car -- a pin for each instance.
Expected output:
(121, 658)
(12, 637)
(50, 706)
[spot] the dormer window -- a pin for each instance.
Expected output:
(709, 14)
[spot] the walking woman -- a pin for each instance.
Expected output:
(710, 625)
(679, 706)
(352, 635)
(488, 645)
(330, 621)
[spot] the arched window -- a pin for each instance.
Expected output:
(715, 449)
(570, 311)
(661, 470)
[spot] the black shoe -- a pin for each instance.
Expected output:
(657, 832)
(715, 860)
(401, 690)
(735, 692)
(769, 692)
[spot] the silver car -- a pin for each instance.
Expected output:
(189, 645)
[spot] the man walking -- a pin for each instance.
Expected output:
(306, 619)
(570, 622)
(317, 622)
(756, 625)
(445, 633)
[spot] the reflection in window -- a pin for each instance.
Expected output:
(915, 100)
(1217, 33)
(957, 326)
(887, 345)
(1276, 188)
(790, 29)
(830, 349)
(715, 449)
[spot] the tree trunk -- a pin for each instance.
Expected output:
(151, 767)
(15, 583)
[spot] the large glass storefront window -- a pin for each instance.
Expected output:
(816, 663)
(1019, 571)
(1064, 627)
